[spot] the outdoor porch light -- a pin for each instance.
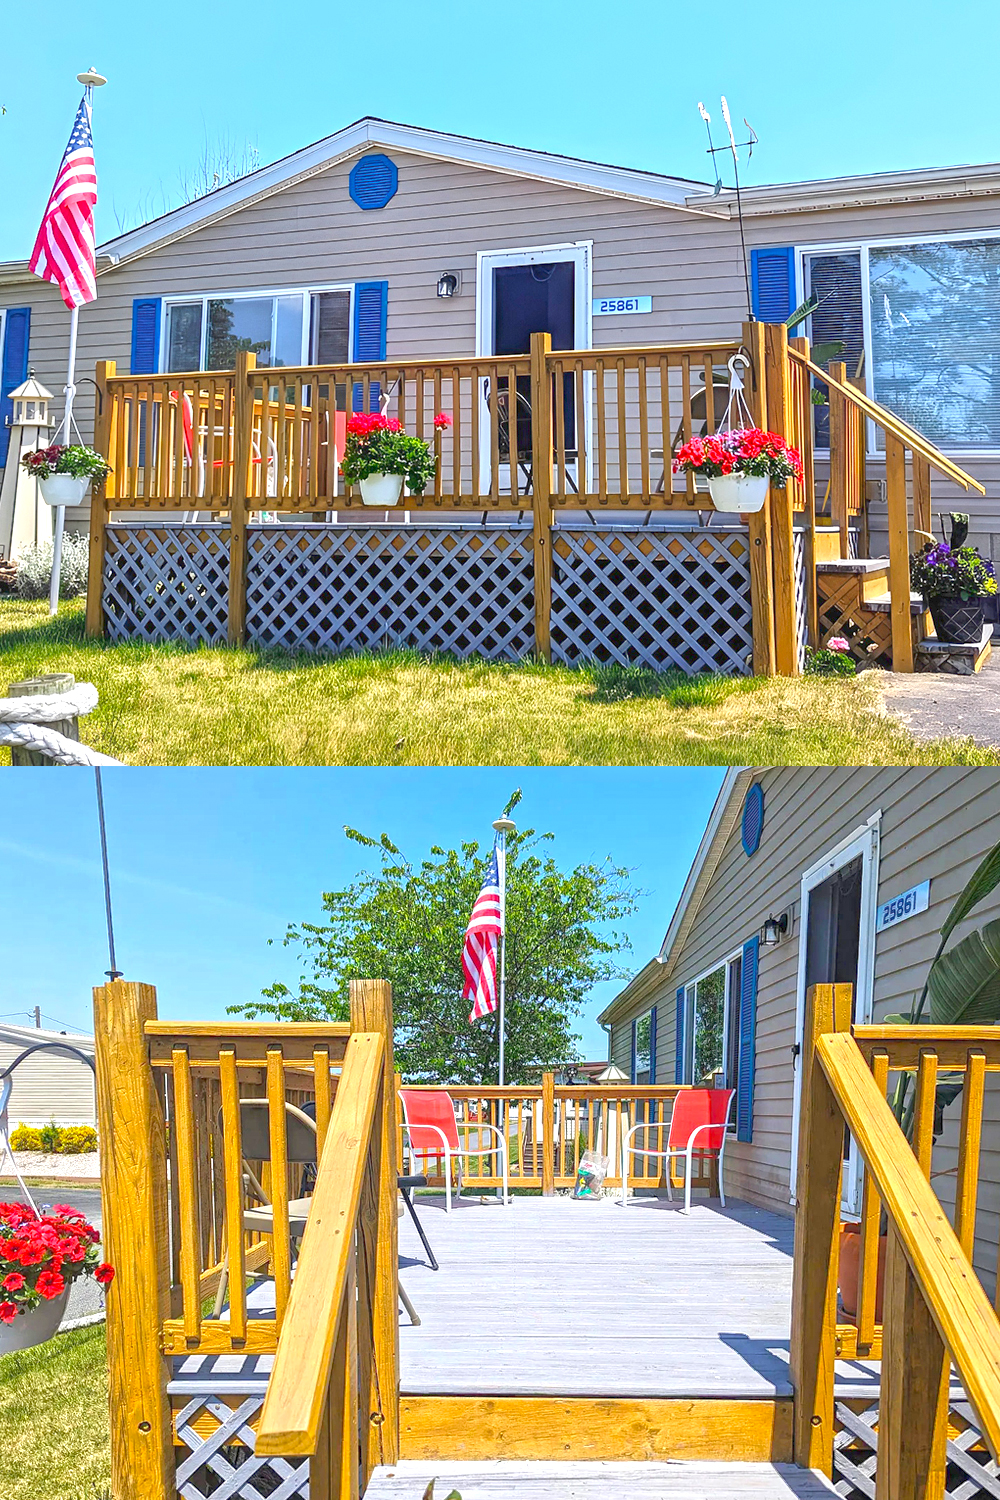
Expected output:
(449, 284)
(773, 930)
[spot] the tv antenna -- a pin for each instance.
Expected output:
(734, 147)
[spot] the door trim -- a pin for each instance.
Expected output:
(863, 842)
(580, 252)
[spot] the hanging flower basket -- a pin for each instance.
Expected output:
(379, 456)
(740, 466)
(40, 1258)
(66, 471)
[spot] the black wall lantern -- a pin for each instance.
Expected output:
(449, 284)
(774, 929)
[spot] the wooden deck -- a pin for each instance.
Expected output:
(601, 1481)
(555, 1297)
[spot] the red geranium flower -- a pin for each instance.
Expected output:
(49, 1285)
(104, 1273)
(442, 420)
(13, 1282)
(8, 1312)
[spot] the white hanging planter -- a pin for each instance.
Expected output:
(381, 490)
(744, 493)
(38, 1325)
(64, 489)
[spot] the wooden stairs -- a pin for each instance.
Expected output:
(853, 601)
(599, 1481)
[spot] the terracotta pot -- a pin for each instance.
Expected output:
(35, 1327)
(741, 493)
(850, 1270)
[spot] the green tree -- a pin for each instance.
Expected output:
(406, 923)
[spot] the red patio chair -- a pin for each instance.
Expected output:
(698, 1123)
(432, 1130)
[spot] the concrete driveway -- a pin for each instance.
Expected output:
(934, 706)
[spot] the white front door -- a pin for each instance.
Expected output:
(839, 899)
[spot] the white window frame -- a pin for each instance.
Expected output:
(691, 1006)
(180, 299)
(863, 842)
(886, 242)
(580, 253)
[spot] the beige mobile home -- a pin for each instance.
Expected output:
(49, 1085)
(798, 882)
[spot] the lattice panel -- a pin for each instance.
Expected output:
(465, 591)
(867, 632)
(166, 582)
(801, 612)
(664, 599)
(224, 1464)
(971, 1470)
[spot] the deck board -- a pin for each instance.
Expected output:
(599, 1481)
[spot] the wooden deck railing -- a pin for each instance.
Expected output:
(176, 1185)
(549, 1127)
(935, 1310)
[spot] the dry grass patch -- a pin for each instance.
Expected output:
(170, 705)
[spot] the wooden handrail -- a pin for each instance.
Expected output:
(888, 420)
(295, 1405)
(953, 1295)
(903, 1045)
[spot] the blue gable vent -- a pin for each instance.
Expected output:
(753, 819)
(373, 181)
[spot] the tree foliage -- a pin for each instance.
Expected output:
(406, 923)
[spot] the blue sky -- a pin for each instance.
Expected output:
(207, 865)
(848, 88)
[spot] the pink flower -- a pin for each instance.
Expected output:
(838, 643)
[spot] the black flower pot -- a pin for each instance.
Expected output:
(958, 622)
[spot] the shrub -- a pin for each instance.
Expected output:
(76, 1138)
(34, 567)
(832, 660)
(50, 1136)
(25, 1138)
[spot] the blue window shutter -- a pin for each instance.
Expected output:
(679, 1058)
(748, 1032)
(14, 371)
(652, 1045)
(145, 336)
(772, 284)
(371, 306)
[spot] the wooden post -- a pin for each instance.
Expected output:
(817, 1235)
(786, 649)
(541, 487)
(761, 574)
(921, 493)
(899, 554)
(239, 505)
(100, 510)
(838, 457)
(808, 495)
(913, 1412)
(134, 1206)
(371, 1010)
(548, 1135)
(44, 687)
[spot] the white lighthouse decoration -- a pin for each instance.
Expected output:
(24, 517)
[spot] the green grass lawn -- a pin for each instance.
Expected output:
(54, 1442)
(172, 705)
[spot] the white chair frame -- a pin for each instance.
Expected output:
(668, 1153)
(449, 1153)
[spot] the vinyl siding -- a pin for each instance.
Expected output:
(49, 1087)
(443, 213)
(936, 824)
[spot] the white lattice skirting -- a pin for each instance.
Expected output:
(801, 607)
(465, 591)
(662, 598)
(166, 583)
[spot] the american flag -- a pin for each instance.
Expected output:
(482, 939)
(64, 249)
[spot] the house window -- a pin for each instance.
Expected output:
(644, 1048)
(281, 328)
(712, 1026)
(931, 350)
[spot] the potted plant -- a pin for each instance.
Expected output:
(379, 456)
(40, 1257)
(955, 581)
(740, 466)
(66, 471)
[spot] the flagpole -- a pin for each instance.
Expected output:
(90, 80)
(503, 826)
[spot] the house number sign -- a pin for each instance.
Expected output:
(603, 306)
(906, 905)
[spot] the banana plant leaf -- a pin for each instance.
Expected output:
(801, 312)
(821, 353)
(963, 986)
(984, 880)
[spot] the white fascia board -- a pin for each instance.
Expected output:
(620, 182)
(873, 189)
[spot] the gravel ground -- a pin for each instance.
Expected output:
(935, 706)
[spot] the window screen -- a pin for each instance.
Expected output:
(836, 281)
(330, 330)
(935, 316)
(184, 336)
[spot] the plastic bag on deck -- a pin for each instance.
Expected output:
(590, 1175)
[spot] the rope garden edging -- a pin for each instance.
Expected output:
(28, 720)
